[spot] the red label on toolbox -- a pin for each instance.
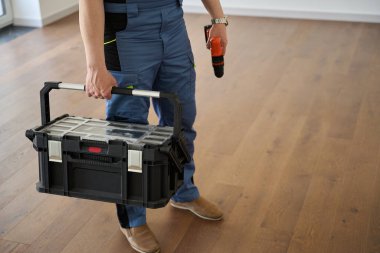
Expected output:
(94, 149)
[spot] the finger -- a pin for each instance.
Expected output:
(101, 96)
(208, 43)
(107, 94)
(224, 45)
(95, 90)
(89, 91)
(97, 95)
(93, 93)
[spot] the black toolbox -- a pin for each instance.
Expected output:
(109, 161)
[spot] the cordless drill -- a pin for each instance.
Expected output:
(216, 52)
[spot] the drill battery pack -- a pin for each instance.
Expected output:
(107, 161)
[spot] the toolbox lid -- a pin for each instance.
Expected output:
(102, 130)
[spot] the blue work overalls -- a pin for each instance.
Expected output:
(155, 54)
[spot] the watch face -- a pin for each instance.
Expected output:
(220, 21)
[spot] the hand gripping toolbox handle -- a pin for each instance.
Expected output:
(45, 104)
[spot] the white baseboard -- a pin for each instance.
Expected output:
(293, 14)
(5, 23)
(46, 20)
(31, 22)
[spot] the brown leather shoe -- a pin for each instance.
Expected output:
(141, 239)
(200, 207)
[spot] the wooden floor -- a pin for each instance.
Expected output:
(288, 143)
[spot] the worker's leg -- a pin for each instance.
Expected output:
(177, 75)
(130, 216)
(140, 50)
(140, 63)
(134, 110)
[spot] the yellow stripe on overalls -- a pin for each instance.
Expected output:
(108, 42)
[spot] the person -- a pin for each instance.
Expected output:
(153, 53)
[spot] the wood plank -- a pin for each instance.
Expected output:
(65, 226)
(260, 179)
(38, 220)
(117, 243)
(40, 40)
(193, 240)
(373, 241)
(18, 183)
(19, 207)
(353, 217)
(96, 232)
(278, 222)
(316, 219)
(14, 161)
(12, 247)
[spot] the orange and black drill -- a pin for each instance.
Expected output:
(216, 52)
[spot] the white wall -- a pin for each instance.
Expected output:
(38, 13)
(349, 10)
(26, 10)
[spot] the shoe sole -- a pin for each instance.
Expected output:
(138, 250)
(197, 214)
(133, 247)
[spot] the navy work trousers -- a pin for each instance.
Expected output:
(155, 54)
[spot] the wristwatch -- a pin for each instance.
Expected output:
(220, 21)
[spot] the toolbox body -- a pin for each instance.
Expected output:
(109, 161)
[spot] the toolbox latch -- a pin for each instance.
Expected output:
(135, 161)
(55, 151)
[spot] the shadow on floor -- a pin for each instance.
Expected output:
(11, 32)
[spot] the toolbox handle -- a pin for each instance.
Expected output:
(48, 86)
